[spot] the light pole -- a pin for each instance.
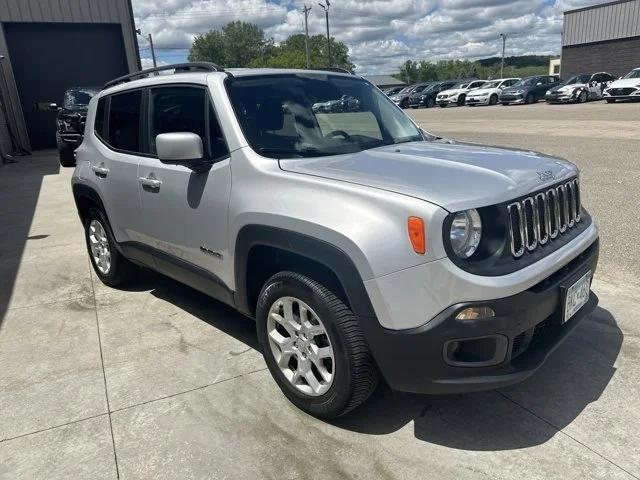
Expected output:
(306, 11)
(150, 40)
(504, 44)
(326, 15)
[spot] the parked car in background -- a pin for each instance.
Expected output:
(344, 104)
(489, 92)
(627, 88)
(427, 97)
(70, 122)
(580, 88)
(458, 94)
(421, 87)
(402, 97)
(529, 89)
(392, 91)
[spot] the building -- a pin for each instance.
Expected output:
(554, 66)
(384, 81)
(51, 45)
(603, 37)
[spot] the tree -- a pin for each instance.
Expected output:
(236, 45)
(291, 54)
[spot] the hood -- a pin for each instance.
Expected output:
(482, 91)
(455, 176)
(568, 88)
(625, 83)
(516, 89)
(454, 91)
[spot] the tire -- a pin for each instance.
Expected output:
(505, 104)
(610, 100)
(404, 104)
(529, 99)
(461, 100)
(430, 103)
(493, 99)
(354, 375)
(67, 155)
(415, 107)
(583, 97)
(120, 270)
(442, 105)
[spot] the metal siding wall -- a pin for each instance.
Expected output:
(61, 11)
(608, 22)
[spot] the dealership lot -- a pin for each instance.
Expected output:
(158, 381)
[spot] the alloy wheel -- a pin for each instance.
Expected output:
(100, 249)
(301, 346)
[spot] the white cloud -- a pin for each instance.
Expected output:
(380, 34)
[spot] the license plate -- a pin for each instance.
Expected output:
(577, 296)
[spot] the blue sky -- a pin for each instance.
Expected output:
(380, 34)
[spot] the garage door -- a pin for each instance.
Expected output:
(48, 58)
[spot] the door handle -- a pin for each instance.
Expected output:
(150, 182)
(100, 171)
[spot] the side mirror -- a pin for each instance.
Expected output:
(538, 84)
(179, 147)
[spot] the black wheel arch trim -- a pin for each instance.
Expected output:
(322, 252)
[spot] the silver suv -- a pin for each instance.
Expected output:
(363, 247)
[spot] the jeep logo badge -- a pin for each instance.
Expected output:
(546, 176)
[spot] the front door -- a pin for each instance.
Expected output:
(185, 213)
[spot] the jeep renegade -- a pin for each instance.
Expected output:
(364, 247)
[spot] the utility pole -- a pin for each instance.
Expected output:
(504, 44)
(306, 11)
(150, 40)
(326, 15)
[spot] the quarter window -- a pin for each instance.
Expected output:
(124, 121)
(99, 122)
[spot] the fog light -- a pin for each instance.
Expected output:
(475, 313)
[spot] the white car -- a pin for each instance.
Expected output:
(489, 92)
(580, 88)
(627, 88)
(458, 94)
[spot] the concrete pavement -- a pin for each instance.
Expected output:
(158, 381)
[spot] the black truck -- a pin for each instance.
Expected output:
(70, 122)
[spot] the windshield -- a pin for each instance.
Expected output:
(495, 84)
(526, 82)
(79, 97)
(310, 115)
(633, 74)
(578, 79)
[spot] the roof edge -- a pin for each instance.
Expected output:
(599, 5)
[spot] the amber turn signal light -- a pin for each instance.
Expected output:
(415, 227)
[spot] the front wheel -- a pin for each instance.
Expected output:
(582, 98)
(430, 103)
(529, 99)
(610, 100)
(313, 346)
(493, 99)
(461, 100)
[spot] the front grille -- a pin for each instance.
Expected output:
(543, 216)
(621, 91)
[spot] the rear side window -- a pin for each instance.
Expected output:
(124, 121)
(100, 112)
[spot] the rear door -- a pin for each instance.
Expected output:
(185, 216)
(115, 166)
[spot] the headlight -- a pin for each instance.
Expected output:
(548, 92)
(466, 232)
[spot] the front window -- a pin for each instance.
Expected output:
(78, 97)
(495, 84)
(310, 115)
(526, 82)
(633, 74)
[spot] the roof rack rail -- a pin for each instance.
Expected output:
(177, 67)
(334, 69)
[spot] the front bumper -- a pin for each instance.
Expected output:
(560, 98)
(528, 327)
(417, 102)
(477, 101)
(512, 98)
